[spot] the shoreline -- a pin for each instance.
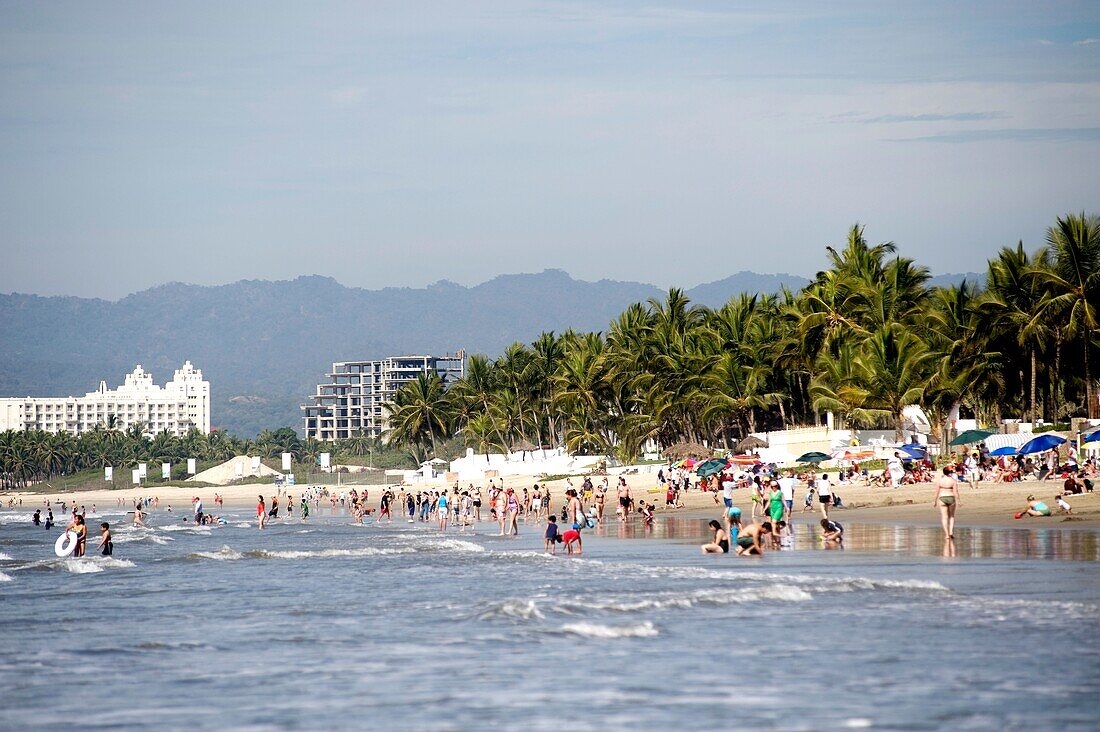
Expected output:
(988, 505)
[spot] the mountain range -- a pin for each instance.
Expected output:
(265, 345)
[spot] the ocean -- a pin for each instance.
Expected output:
(322, 624)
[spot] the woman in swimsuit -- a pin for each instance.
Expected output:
(512, 525)
(721, 543)
(1034, 508)
(536, 503)
(947, 500)
(261, 512)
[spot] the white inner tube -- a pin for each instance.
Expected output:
(65, 544)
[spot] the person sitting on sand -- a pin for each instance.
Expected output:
(1034, 508)
(1063, 505)
(748, 539)
(721, 542)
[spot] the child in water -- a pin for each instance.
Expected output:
(552, 536)
(106, 545)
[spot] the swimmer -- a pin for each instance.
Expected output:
(81, 530)
(139, 515)
(748, 539)
(721, 542)
(106, 544)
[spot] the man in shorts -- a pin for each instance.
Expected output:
(624, 499)
(824, 494)
(749, 538)
(786, 485)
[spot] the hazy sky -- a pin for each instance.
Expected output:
(401, 143)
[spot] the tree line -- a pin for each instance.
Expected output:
(30, 456)
(866, 338)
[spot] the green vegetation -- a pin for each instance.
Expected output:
(866, 338)
(69, 462)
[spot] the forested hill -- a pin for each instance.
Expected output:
(265, 345)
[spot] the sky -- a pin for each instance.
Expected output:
(400, 143)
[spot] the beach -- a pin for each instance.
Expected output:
(991, 504)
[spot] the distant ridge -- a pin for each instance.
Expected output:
(265, 344)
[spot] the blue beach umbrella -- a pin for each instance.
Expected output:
(914, 452)
(1091, 437)
(1041, 443)
(1007, 450)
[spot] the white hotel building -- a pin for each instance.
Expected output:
(182, 403)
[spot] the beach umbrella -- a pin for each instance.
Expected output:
(711, 467)
(751, 443)
(853, 453)
(523, 446)
(915, 452)
(965, 438)
(688, 450)
(744, 460)
(1091, 437)
(1042, 443)
(1007, 450)
(812, 457)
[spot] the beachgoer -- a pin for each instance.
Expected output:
(441, 510)
(786, 487)
(274, 513)
(895, 470)
(261, 513)
(106, 544)
(947, 500)
(776, 509)
(551, 537)
(1034, 508)
(511, 514)
(571, 537)
(623, 492)
(824, 494)
(721, 542)
(748, 539)
(81, 530)
(37, 518)
(834, 532)
(1063, 505)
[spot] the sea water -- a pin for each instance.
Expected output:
(322, 624)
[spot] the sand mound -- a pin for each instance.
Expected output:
(229, 471)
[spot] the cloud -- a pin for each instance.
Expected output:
(956, 117)
(1086, 42)
(1020, 134)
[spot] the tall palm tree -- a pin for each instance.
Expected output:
(420, 409)
(1073, 281)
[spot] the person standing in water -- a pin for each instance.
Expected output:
(106, 544)
(261, 513)
(947, 500)
(441, 511)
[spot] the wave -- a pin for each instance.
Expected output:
(521, 609)
(17, 518)
(813, 583)
(85, 565)
(185, 527)
(455, 545)
(4, 557)
(4, 577)
(224, 554)
(307, 554)
(139, 533)
(243, 525)
(596, 630)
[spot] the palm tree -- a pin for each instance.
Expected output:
(1073, 281)
(420, 409)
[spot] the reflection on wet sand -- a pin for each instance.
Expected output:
(985, 543)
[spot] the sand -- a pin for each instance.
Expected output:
(987, 505)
